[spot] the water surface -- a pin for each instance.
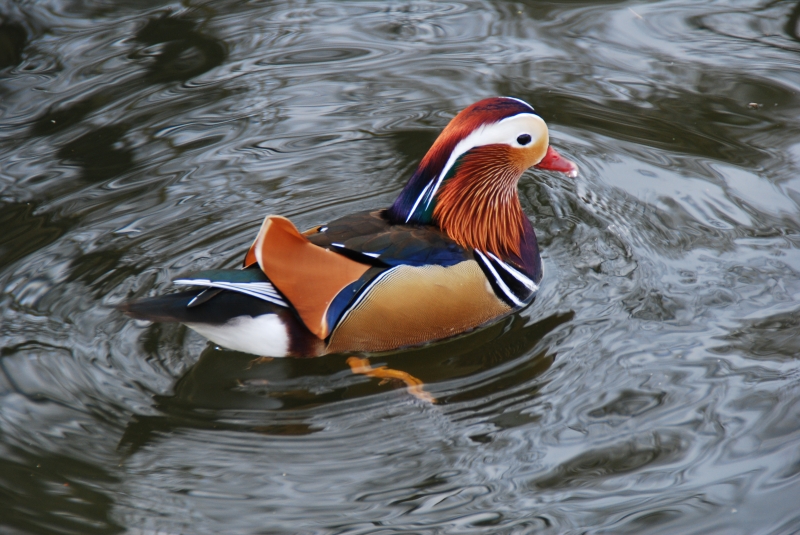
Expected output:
(653, 387)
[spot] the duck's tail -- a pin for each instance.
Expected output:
(209, 305)
(233, 320)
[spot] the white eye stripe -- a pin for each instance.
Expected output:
(504, 131)
(416, 203)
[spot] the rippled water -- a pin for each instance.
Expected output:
(653, 387)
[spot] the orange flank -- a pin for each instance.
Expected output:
(362, 367)
(308, 275)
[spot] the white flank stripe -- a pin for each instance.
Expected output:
(529, 284)
(506, 290)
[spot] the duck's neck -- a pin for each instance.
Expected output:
(476, 205)
(479, 206)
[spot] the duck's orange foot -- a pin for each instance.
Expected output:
(361, 366)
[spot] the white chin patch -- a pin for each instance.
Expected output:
(265, 335)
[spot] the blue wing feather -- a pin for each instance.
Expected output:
(371, 235)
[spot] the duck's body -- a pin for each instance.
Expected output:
(454, 252)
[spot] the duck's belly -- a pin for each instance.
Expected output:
(408, 306)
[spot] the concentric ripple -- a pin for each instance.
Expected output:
(651, 388)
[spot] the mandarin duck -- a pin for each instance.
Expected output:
(454, 252)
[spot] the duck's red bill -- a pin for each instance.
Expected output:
(553, 161)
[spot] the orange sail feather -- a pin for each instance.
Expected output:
(309, 276)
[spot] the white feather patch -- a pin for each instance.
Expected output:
(265, 335)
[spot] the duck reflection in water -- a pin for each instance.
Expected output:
(228, 390)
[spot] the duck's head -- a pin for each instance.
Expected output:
(467, 182)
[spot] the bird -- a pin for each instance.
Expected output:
(453, 253)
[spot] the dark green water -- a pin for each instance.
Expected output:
(653, 387)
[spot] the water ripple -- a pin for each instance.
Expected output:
(651, 388)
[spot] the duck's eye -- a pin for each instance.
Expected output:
(524, 139)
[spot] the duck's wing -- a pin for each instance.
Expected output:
(416, 284)
(311, 277)
(235, 288)
(368, 237)
(252, 282)
(321, 272)
(374, 239)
